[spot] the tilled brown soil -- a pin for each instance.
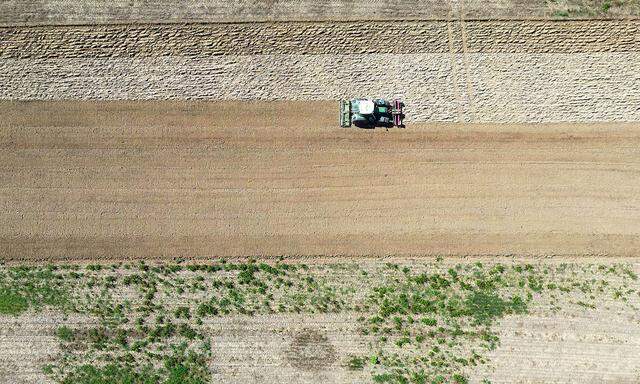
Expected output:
(128, 180)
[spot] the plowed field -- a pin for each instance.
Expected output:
(164, 180)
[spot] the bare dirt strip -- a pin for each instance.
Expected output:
(14, 12)
(129, 180)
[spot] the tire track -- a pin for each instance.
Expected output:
(465, 61)
(454, 64)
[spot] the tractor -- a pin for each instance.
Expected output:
(371, 113)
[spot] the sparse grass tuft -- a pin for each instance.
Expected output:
(485, 306)
(12, 303)
(593, 8)
(355, 363)
(111, 374)
(459, 379)
(64, 333)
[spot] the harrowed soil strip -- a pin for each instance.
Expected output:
(130, 180)
(360, 37)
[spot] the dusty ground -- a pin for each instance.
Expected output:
(174, 179)
(584, 347)
(28, 343)
(318, 38)
(301, 348)
(95, 11)
(580, 347)
(577, 347)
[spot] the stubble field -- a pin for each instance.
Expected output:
(401, 321)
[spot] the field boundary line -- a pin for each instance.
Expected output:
(341, 21)
(465, 61)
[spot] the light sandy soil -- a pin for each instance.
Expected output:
(337, 39)
(28, 343)
(279, 348)
(584, 347)
(161, 180)
(508, 71)
(579, 346)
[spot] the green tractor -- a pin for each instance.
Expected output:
(371, 113)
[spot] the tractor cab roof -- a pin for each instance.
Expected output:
(363, 107)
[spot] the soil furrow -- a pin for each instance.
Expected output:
(356, 38)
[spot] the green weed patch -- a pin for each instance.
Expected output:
(426, 323)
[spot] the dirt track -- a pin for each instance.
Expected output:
(14, 12)
(166, 179)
